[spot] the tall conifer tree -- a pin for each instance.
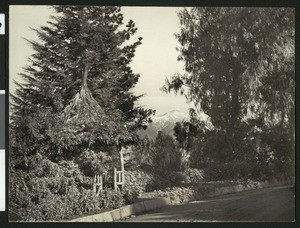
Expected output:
(77, 90)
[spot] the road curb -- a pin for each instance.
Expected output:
(241, 187)
(126, 211)
(149, 204)
(217, 191)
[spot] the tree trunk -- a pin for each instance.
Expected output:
(85, 75)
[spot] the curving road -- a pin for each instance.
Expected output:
(276, 204)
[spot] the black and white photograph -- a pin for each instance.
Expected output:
(151, 114)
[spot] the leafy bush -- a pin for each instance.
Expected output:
(176, 194)
(188, 176)
(88, 201)
(178, 178)
(243, 170)
(55, 191)
(136, 181)
(76, 202)
(234, 170)
(160, 182)
(195, 176)
(92, 162)
(130, 195)
(111, 199)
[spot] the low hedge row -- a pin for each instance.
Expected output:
(207, 189)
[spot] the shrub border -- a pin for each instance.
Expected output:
(159, 202)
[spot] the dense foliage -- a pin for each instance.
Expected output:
(161, 155)
(239, 65)
(73, 113)
(76, 109)
(46, 190)
(77, 86)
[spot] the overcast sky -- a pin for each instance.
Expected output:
(156, 57)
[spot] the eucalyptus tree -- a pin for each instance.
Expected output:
(239, 69)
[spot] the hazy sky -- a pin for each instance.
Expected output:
(156, 57)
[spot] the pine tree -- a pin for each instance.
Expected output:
(78, 85)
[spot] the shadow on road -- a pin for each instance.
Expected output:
(276, 204)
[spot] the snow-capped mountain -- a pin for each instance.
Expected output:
(165, 123)
(172, 116)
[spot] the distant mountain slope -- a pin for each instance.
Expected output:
(165, 123)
